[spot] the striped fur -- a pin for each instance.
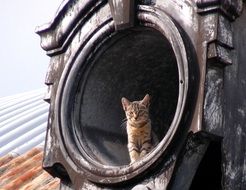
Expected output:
(138, 127)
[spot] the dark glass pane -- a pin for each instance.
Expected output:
(130, 64)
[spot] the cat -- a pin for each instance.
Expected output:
(138, 127)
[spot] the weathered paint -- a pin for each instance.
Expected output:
(205, 28)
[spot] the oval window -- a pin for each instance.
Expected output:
(131, 63)
(149, 58)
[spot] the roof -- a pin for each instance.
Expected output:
(25, 172)
(23, 122)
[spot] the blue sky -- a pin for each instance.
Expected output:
(23, 62)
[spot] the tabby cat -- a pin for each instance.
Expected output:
(138, 127)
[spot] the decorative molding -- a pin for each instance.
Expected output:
(216, 30)
(220, 46)
(56, 36)
(123, 13)
(231, 8)
(217, 17)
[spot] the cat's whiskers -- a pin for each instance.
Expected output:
(123, 124)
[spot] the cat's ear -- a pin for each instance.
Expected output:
(125, 103)
(146, 100)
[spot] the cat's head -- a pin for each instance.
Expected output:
(137, 112)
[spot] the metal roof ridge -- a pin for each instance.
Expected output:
(20, 95)
(23, 138)
(8, 136)
(24, 116)
(36, 142)
(20, 103)
(20, 110)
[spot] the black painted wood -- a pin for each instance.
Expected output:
(234, 128)
(191, 57)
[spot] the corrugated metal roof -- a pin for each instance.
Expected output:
(23, 122)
